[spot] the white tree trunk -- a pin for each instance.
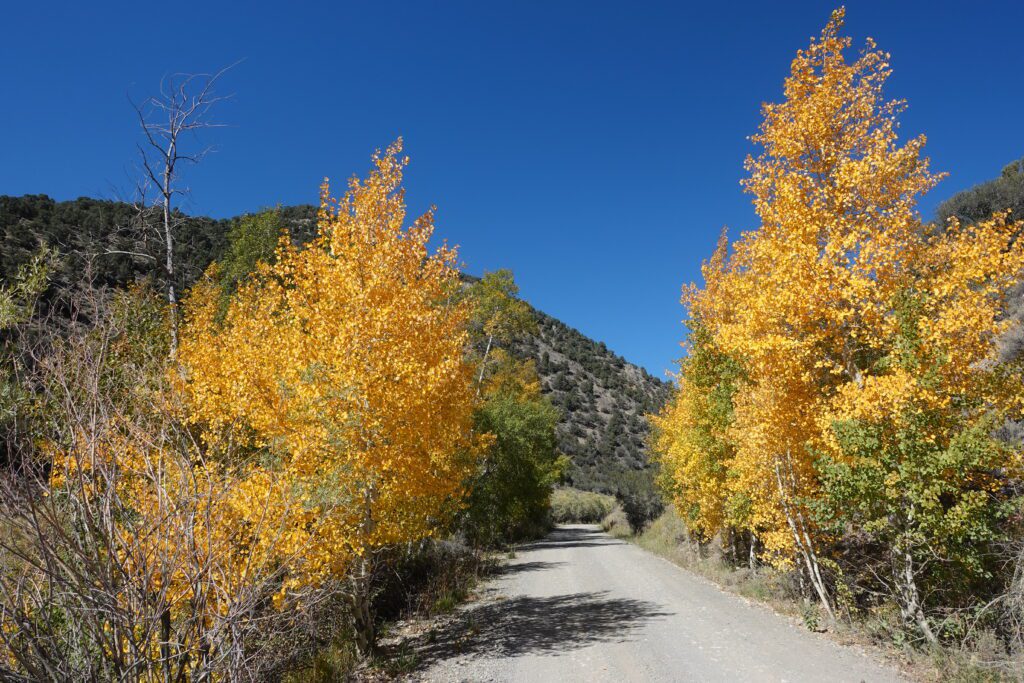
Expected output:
(804, 546)
(483, 363)
(910, 597)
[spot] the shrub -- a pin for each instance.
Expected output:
(616, 523)
(639, 501)
(570, 505)
(508, 500)
(423, 577)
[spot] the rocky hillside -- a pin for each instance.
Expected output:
(604, 402)
(1005, 192)
(603, 398)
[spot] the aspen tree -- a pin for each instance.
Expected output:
(866, 340)
(344, 363)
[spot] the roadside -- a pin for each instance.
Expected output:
(665, 537)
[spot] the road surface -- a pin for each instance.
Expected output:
(582, 606)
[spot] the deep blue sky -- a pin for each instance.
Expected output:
(593, 148)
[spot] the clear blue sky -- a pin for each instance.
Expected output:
(594, 148)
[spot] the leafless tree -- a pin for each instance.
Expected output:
(170, 122)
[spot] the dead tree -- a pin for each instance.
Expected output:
(170, 122)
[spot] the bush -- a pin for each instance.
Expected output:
(638, 498)
(668, 536)
(616, 523)
(508, 501)
(570, 505)
(423, 577)
(112, 564)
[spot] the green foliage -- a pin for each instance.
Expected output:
(252, 239)
(569, 505)
(510, 496)
(939, 502)
(939, 505)
(497, 312)
(18, 296)
(982, 201)
(18, 299)
(139, 313)
(639, 498)
(691, 437)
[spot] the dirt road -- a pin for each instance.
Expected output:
(582, 606)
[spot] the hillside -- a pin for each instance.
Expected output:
(981, 201)
(603, 398)
(1003, 193)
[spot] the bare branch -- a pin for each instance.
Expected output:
(183, 106)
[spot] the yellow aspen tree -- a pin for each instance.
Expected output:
(343, 364)
(691, 440)
(843, 307)
(833, 187)
(831, 175)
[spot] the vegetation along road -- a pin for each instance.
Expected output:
(583, 606)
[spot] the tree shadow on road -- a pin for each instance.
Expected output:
(537, 625)
(522, 568)
(572, 537)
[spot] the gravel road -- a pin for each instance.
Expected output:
(582, 606)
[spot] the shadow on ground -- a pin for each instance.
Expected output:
(573, 537)
(523, 625)
(535, 625)
(522, 568)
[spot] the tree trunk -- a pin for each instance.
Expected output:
(910, 597)
(165, 643)
(361, 583)
(362, 613)
(483, 362)
(804, 546)
(172, 297)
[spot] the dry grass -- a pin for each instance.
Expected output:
(616, 523)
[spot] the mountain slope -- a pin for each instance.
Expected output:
(604, 402)
(1005, 192)
(604, 399)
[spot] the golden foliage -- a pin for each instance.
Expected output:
(343, 365)
(811, 303)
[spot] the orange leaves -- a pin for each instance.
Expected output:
(842, 305)
(344, 361)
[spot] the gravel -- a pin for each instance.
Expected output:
(582, 606)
